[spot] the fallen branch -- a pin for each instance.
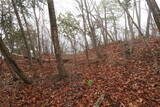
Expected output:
(99, 101)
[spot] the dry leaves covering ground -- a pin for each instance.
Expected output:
(125, 81)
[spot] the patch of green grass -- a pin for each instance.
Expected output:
(90, 82)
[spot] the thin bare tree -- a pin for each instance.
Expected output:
(54, 32)
(5, 52)
(155, 11)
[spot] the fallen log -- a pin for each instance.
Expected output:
(19, 56)
(64, 60)
(15, 55)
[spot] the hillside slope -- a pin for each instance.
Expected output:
(121, 78)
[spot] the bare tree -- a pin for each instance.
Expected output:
(82, 10)
(21, 28)
(12, 63)
(148, 23)
(138, 12)
(92, 31)
(37, 27)
(129, 16)
(54, 33)
(130, 24)
(155, 11)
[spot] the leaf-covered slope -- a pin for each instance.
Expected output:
(124, 80)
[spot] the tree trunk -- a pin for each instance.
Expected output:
(138, 12)
(8, 33)
(106, 32)
(126, 29)
(12, 63)
(92, 31)
(148, 23)
(73, 44)
(130, 27)
(155, 11)
(54, 33)
(128, 14)
(115, 26)
(139, 19)
(21, 28)
(37, 27)
(85, 30)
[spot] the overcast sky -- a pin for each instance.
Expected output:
(63, 6)
(69, 5)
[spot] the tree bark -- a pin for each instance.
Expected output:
(155, 11)
(92, 31)
(138, 12)
(12, 63)
(128, 14)
(21, 28)
(126, 29)
(106, 32)
(148, 23)
(114, 26)
(54, 32)
(130, 27)
(37, 27)
(81, 6)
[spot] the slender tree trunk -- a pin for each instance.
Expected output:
(148, 23)
(128, 14)
(81, 6)
(114, 26)
(126, 29)
(21, 28)
(138, 12)
(25, 21)
(8, 33)
(92, 31)
(155, 11)
(103, 34)
(12, 63)
(54, 32)
(106, 32)
(73, 44)
(85, 35)
(38, 31)
(139, 19)
(30, 39)
(51, 45)
(153, 25)
(115, 29)
(130, 27)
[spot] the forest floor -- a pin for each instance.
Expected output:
(120, 80)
